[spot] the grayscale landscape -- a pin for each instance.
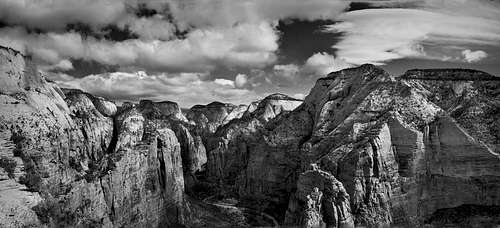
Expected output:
(249, 113)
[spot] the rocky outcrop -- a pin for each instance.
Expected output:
(69, 160)
(320, 200)
(34, 123)
(398, 145)
(147, 184)
(165, 109)
(228, 148)
(364, 148)
(208, 118)
(192, 148)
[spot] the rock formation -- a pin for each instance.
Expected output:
(404, 147)
(363, 149)
(227, 148)
(69, 159)
(319, 200)
(209, 117)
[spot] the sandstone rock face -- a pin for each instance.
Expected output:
(164, 109)
(67, 159)
(319, 200)
(34, 117)
(192, 148)
(209, 117)
(228, 148)
(403, 148)
(147, 187)
(363, 149)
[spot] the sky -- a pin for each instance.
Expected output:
(238, 51)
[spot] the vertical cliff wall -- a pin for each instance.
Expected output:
(67, 158)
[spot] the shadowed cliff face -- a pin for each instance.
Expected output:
(227, 148)
(403, 148)
(209, 117)
(363, 148)
(78, 163)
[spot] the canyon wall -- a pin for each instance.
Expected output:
(404, 148)
(69, 159)
(364, 148)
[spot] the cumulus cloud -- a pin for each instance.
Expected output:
(218, 32)
(300, 96)
(63, 65)
(224, 82)
(156, 27)
(251, 45)
(185, 88)
(380, 35)
(287, 71)
(323, 63)
(202, 13)
(56, 14)
(474, 56)
(283, 75)
(241, 80)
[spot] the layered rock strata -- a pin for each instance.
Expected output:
(363, 149)
(403, 148)
(70, 160)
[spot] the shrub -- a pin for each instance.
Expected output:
(9, 165)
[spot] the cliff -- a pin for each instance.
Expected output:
(364, 148)
(70, 159)
(404, 148)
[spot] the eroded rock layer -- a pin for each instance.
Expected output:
(70, 160)
(363, 149)
(403, 148)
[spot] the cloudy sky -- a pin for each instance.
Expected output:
(198, 51)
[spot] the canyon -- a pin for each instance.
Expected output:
(364, 148)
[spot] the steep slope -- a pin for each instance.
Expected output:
(192, 149)
(73, 163)
(228, 147)
(208, 118)
(403, 148)
(364, 148)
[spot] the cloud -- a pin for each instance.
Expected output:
(380, 35)
(156, 27)
(244, 45)
(218, 32)
(474, 56)
(56, 14)
(300, 96)
(289, 71)
(224, 82)
(63, 65)
(323, 63)
(185, 88)
(283, 75)
(207, 13)
(241, 80)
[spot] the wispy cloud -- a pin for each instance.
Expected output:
(381, 35)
